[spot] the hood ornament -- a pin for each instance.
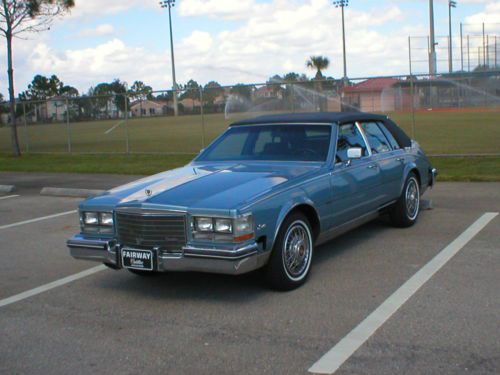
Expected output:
(149, 192)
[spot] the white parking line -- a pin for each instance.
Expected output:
(52, 285)
(8, 197)
(346, 347)
(37, 219)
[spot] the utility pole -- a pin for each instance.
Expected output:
(170, 4)
(432, 52)
(342, 4)
(484, 47)
(451, 4)
(461, 46)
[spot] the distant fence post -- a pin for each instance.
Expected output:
(127, 140)
(412, 97)
(26, 135)
(68, 125)
(202, 111)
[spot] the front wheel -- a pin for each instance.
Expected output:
(405, 211)
(291, 257)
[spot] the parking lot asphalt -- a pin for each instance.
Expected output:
(188, 323)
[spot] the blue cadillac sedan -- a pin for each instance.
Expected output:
(262, 195)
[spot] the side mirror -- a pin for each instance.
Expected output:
(354, 153)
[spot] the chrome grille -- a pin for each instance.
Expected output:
(148, 231)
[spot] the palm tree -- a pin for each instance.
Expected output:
(319, 63)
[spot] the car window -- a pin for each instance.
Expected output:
(376, 138)
(392, 141)
(229, 146)
(271, 142)
(349, 137)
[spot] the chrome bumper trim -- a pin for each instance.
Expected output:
(213, 260)
(191, 251)
(434, 174)
(97, 250)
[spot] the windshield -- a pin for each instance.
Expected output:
(271, 142)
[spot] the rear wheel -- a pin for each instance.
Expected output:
(291, 257)
(405, 211)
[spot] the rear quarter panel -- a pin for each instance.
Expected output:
(417, 160)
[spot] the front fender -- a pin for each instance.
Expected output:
(297, 200)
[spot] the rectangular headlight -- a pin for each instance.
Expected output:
(223, 225)
(90, 218)
(106, 219)
(204, 224)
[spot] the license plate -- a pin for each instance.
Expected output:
(137, 259)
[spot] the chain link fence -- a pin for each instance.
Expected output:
(456, 114)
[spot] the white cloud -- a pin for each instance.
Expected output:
(95, 8)
(274, 38)
(101, 30)
(101, 63)
(280, 36)
(490, 16)
(270, 38)
(228, 9)
(199, 41)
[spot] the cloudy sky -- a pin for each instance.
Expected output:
(232, 41)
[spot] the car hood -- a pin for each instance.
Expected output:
(220, 187)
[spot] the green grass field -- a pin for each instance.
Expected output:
(450, 169)
(179, 139)
(437, 133)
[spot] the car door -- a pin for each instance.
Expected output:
(355, 183)
(388, 155)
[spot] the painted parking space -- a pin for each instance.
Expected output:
(26, 207)
(33, 251)
(117, 322)
(5, 197)
(449, 326)
(331, 361)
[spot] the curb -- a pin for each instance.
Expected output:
(70, 193)
(7, 189)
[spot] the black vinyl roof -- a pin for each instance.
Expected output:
(313, 117)
(330, 118)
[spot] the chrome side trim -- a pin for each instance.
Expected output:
(346, 227)
(368, 146)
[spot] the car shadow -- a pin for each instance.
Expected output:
(350, 240)
(228, 288)
(188, 286)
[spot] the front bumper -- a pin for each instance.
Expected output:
(213, 260)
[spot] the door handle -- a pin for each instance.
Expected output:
(400, 159)
(372, 166)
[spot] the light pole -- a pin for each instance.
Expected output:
(170, 4)
(432, 52)
(342, 4)
(451, 4)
